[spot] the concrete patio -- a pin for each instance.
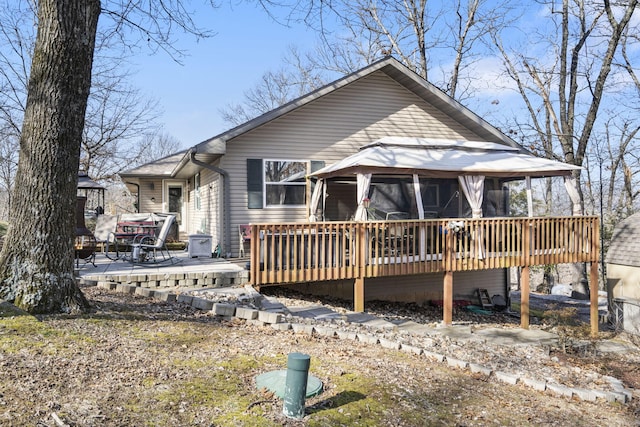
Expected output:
(187, 272)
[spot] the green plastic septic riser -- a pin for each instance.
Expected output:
(275, 382)
(296, 384)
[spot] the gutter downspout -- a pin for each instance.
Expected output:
(226, 219)
(137, 195)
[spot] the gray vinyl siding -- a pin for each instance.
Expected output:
(215, 210)
(146, 194)
(329, 129)
(207, 219)
(419, 289)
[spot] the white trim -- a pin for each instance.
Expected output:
(197, 196)
(184, 213)
(529, 197)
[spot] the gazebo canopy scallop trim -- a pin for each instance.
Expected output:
(469, 161)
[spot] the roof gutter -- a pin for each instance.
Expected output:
(226, 219)
(181, 164)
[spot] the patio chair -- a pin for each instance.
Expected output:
(147, 248)
(105, 233)
(397, 238)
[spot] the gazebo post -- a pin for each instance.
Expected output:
(447, 291)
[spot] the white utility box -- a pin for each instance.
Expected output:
(199, 245)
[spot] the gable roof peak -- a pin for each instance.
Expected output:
(395, 70)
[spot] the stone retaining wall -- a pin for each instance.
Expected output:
(170, 280)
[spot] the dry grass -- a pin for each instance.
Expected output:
(139, 362)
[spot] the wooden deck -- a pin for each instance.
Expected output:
(307, 252)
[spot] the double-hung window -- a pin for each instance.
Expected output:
(284, 182)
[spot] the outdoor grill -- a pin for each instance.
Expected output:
(85, 243)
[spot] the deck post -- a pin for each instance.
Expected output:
(447, 299)
(254, 257)
(593, 294)
(358, 283)
(447, 285)
(593, 277)
(525, 275)
(524, 298)
(358, 295)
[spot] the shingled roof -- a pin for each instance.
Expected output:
(625, 243)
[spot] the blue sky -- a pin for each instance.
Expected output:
(218, 70)
(248, 43)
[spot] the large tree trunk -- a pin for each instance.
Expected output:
(36, 263)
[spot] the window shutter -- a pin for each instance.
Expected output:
(255, 175)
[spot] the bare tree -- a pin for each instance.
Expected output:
(440, 40)
(116, 117)
(153, 146)
(8, 166)
(297, 77)
(563, 75)
(275, 88)
(16, 43)
(614, 184)
(116, 113)
(36, 262)
(563, 95)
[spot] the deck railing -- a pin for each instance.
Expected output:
(304, 252)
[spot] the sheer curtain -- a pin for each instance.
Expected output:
(473, 189)
(418, 193)
(318, 192)
(363, 184)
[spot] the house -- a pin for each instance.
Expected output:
(266, 171)
(623, 274)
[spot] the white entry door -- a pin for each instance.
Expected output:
(174, 202)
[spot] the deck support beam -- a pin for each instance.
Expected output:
(358, 295)
(524, 298)
(447, 299)
(593, 295)
(358, 283)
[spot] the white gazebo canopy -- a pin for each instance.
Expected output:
(444, 158)
(469, 161)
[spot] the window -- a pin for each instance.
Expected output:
(196, 185)
(284, 182)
